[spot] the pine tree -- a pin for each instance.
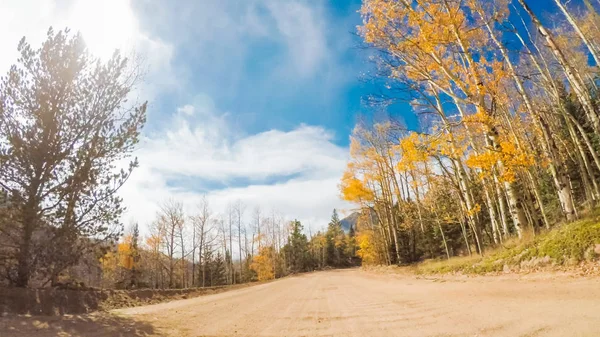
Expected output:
(351, 248)
(64, 125)
(296, 249)
(217, 271)
(336, 241)
(135, 255)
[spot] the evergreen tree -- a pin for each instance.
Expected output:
(135, 255)
(65, 123)
(336, 242)
(205, 276)
(217, 271)
(351, 248)
(249, 273)
(231, 267)
(296, 249)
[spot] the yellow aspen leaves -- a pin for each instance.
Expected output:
(474, 210)
(123, 257)
(412, 150)
(366, 248)
(509, 155)
(353, 189)
(264, 263)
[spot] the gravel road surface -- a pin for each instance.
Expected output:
(352, 303)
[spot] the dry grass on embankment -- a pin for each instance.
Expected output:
(51, 302)
(573, 246)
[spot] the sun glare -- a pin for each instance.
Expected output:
(105, 25)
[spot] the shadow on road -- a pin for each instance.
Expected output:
(95, 325)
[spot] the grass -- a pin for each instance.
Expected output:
(455, 264)
(567, 244)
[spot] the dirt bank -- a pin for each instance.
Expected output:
(356, 303)
(54, 302)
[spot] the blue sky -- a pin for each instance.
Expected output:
(250, 100)
(266, 73)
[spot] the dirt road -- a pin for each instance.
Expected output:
(354, 303)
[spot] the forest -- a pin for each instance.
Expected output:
(207, 250)
(507, 140)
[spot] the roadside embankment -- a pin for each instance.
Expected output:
(51, 301)
(573, 247)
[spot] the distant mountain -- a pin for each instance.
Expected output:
(350, 221)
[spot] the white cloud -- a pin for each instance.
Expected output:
(205, 152)
(188, 110)
(221, 34)
(303, 30)
(203, 149)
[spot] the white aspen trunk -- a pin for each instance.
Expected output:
(470, 205)
(593, 11)
(171, 251)
(388, 174)
(183, 266)
(467, 202)
(231, 266)
(418, 200)
(200, 260)
(193, 255)
(384, 257)
(435, 213)
(388, 240)
(460, 167)
(443, 238)
(381, 227)
(383, 224)
(587, 141)
(536, 191)
(530, 213)
(463, 180)
(224, 231)
(239, 225)
(388, 198)
(584, 161)
(515, 207)
(548, 145)
(246, 242)
(515, 203)
(501, 205)
(462, 202)
(394, 231)
(592, 49)
(578, 87)
(464, 231)
(576, 214)
(565, 195)
(569, 120)
(587, 188)
(492, 213)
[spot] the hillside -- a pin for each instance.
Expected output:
(349, 222)
(573, 245)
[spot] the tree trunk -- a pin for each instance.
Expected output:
(584, 163)
(492, 212)
(536, 191)
(548, 145)
(578, 87)
(592, 49)
(464, 232)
